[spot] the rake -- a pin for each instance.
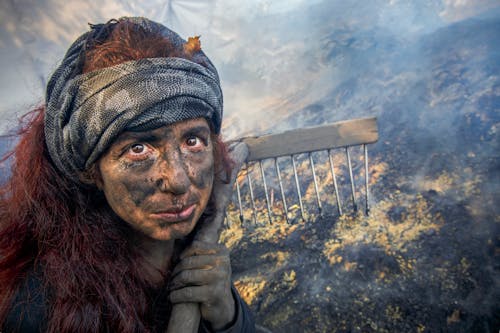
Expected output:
(305, 143)
(291, 144)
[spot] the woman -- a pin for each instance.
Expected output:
(111, 181)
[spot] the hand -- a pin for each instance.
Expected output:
(203, 276)
(204, 282)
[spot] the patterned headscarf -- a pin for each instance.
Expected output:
(86, 112)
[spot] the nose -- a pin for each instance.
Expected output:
(173, 176)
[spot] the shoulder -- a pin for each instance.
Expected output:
(28, 310)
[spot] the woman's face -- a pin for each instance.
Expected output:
(159, 181)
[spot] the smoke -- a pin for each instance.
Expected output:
(305, 54)
(427, 69)
(275, 57)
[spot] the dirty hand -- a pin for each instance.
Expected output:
(203, 276)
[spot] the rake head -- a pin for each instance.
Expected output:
(299, 148)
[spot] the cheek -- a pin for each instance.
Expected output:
(119, 197)
(138, 190)
(202, 173)
(128, 183)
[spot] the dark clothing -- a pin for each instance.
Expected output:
(243, 318)
(29, 312)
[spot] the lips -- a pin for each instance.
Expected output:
(175, 214)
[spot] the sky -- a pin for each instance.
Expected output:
(270, 54)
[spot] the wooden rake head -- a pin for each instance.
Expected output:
(300, 143)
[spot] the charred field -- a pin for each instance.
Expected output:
(426, 257)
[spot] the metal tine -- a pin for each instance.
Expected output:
(298, 188)
(315, 184)
(266, 193)
(365, 148)
(226, 221)
(351, 178)
(254, 210)
(238, 192)
(285, 208)
(339, 206)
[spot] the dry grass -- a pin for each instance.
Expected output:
(250, 287)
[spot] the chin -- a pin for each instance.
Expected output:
(173, 231)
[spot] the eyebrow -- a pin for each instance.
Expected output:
(150, 136)
(147, 136)
(197, 130)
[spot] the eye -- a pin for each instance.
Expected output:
(137, 151)
(195, 143)
(137, 148)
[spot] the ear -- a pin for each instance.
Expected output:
(98, 178)
(92, 176)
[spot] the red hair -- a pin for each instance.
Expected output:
(89, 267)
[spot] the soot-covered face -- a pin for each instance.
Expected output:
(160, 181)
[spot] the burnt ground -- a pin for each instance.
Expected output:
(443, 280)
(426, 259)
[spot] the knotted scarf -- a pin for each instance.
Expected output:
(86, 112)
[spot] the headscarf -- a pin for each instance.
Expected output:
(86, 112)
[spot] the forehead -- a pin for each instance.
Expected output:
(190, 126)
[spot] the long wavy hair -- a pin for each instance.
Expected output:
(66, 234)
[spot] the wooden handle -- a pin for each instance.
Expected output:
(185, 318)
(309, 139)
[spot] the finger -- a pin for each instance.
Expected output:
(199, 247)
(193, 294)
(196, 278)
(202, 262)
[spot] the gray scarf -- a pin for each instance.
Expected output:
(86, 112)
